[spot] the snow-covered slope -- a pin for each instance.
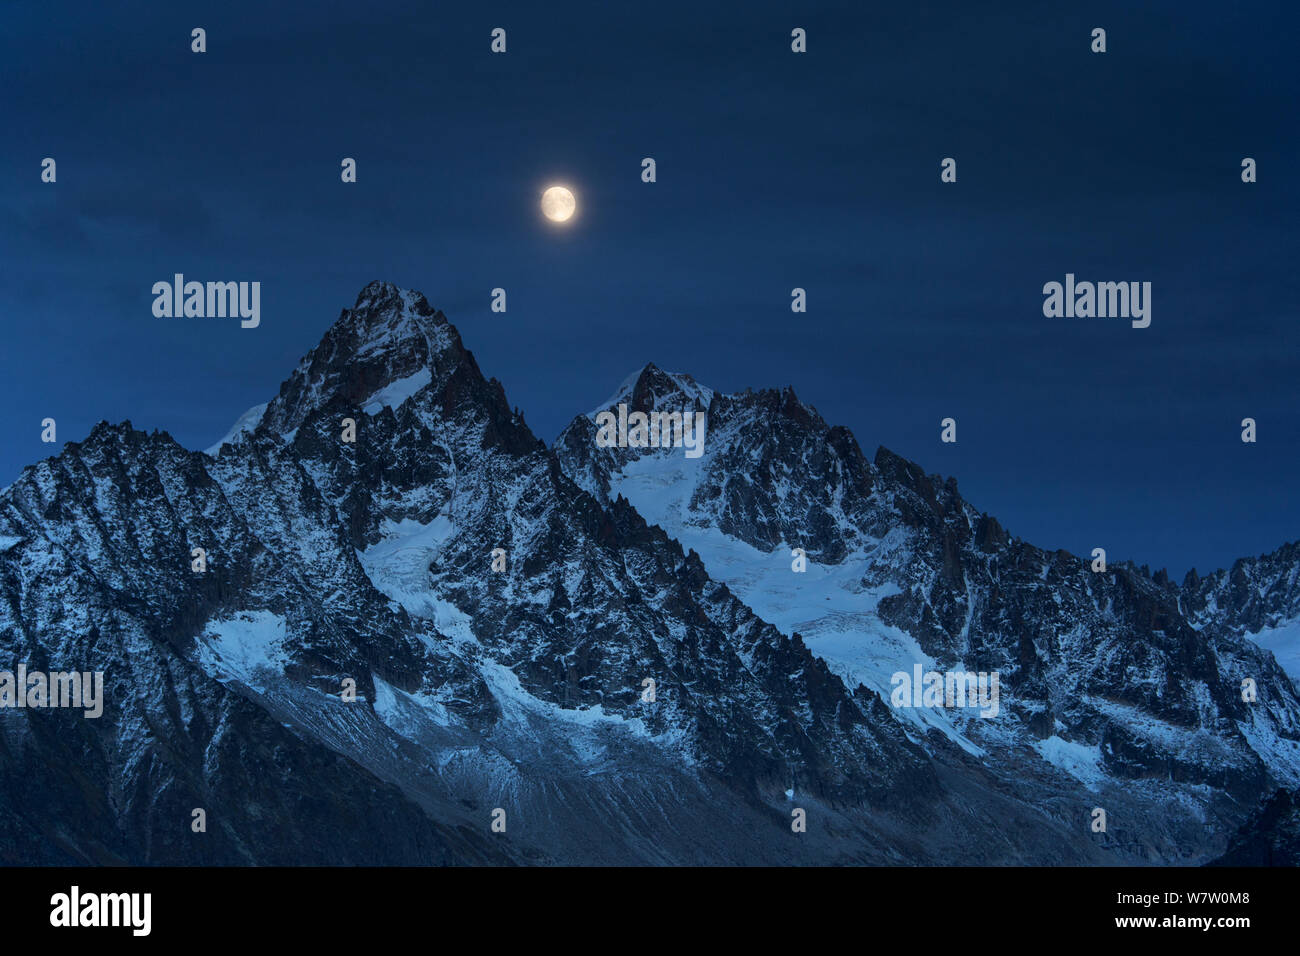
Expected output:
(245, 423)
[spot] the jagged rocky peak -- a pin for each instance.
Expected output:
(652, 388)
(765, 466)
(387, 325)
(390, 346)
(1253, 595)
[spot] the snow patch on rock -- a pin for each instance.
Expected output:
(247, 647)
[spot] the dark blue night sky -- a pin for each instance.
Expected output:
(775, 170)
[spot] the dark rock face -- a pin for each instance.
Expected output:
(1255, 593)
(1270, 837)
(414, 615)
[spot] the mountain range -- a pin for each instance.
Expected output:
(420, 635)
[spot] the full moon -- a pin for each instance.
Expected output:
(558, 204)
